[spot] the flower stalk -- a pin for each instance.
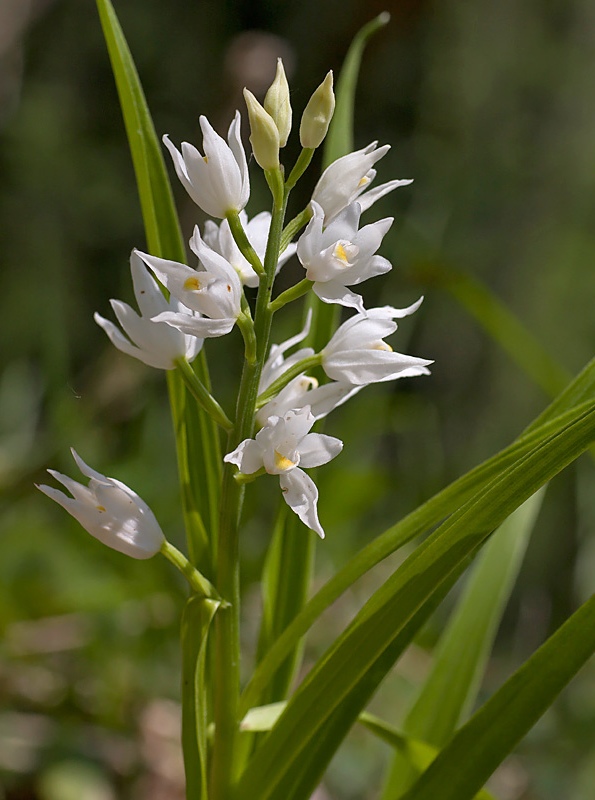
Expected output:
(202, 395)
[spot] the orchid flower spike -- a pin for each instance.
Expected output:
(357, 354)
(281, 447)
(219, 238)
(154, 343)
(214, 291)
(345, 179)
(218, 182)
(109, 511)
(301, 391)
(341, 255)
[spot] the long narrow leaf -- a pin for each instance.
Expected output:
(422, 519)
(164, 239)
(390, 609)
(417, 753)
(462, 653)
(196, 621)
(475, 751)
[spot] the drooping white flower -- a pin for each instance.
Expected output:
(282, 447)
(218, 182)
(214, 291)
(109, 511)
(220, 239)
(341, 255)
(357, 354)
(154, 343)
(302, 390)
(345, 179)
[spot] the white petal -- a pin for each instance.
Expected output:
(197, 326)
(247, 457)
(335, 292)
(369, 197)
(301, 495)
(361, 367)
(317, 449)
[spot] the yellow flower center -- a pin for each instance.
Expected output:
(192, 284)
(282, 462)
(382, 346)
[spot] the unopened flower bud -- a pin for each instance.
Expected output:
(264, 134)
(318, 114)
(278, 104)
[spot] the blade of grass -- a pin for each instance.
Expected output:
(450, 689)
(389, 610)
(416, 523)
(475, 751)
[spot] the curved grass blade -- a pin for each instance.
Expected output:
(339, 139)
(164, 239)
(196, 621)
(416, 523)
(415, 752)
(339, 142)
(483, 743)
(390, 609)
(450, 690)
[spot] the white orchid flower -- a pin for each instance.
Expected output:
(301, 391)
(154, 343)
(218, 182)
(357, 354)
(281, 448)
(214, 291)
(341, 255)
(109, 511)
(220, 239)
(345, 179)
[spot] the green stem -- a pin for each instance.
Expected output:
(301, 165)
(227, 643)
(282, 381)
(202, 395)
(300, 289)
(246, 327)
(294, 225)
(198, 582)
(242, 241)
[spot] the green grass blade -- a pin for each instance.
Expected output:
(196, 621)
(339, 139)
(285, 590)
(164, 239)
(414, 751)
(389, 610)
(451, 688)
(416, 523)
(339, 142)
(475, 751)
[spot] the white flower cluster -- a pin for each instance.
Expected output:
(336, 252)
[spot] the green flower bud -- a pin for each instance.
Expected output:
(318, 114)
(278, 104)
(264, 135)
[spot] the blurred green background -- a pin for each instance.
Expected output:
(490, 107)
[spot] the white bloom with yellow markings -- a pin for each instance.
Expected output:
(302, 390)
(110, 511)
(154, 343)
(214, 291)
(348, 177)
(220, 239)
(283, 446)
(357, 353)
(340, 255)
(218, 182)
